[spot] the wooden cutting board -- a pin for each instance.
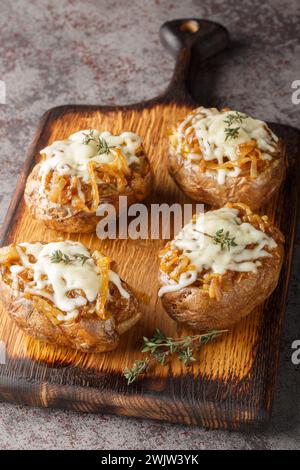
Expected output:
(232, 384)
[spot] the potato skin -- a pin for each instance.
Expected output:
(59, 218)
(202, 188)
(89, 335)
(193, 306)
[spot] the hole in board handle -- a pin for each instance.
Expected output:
(189, 27)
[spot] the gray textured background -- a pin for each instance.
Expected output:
(102, 51)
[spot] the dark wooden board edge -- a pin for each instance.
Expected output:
(150, 405)
(272, 330)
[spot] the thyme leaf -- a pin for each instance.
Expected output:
(231, 119)
(59, 257)
(224, 239)
(221, 238)
(102, 144)
(160, 349)
(137, 369)
(81, 257)
(232, 132)
(88, 137)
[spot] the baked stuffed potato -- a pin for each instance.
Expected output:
(62, 294)
(220, 267)
(78, 174)
(226, 156)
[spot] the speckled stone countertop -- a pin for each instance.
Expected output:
(105, 51)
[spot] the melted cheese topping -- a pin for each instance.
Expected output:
(61, 277)
(209, 126)
(72, 156)
(205, 254)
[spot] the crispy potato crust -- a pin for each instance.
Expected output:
(193, 306)
(88, 334)
(63, 219)
(202, 188)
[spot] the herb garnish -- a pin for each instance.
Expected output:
(232, 132)
(102, 145)
(233, 118)
(88, 137)
(59, 257)
(224, 239)
(160, 348)
(81, 257)
(221, 238)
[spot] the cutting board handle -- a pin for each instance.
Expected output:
(191, 41)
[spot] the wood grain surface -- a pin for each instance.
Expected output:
(232, 383)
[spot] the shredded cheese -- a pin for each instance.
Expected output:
(73, 157)
(196, 242)
(54, 281)
(203, 136)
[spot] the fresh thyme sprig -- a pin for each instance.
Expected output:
(81, 257)
(59, 257)
(223, 238)
(102, 144)
(160, 348)
(232, 132)
(136, 370)
(233, 118)
(88, 137)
